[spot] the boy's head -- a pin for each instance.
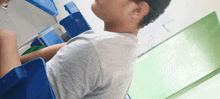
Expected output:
(157, 8)
(128, 14)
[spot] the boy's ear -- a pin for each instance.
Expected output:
(142, 10)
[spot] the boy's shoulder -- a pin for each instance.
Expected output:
(96, 36)
(99, 35)
(105, 39)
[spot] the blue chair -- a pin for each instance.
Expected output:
(75, 23)
(45, 5)
(48, 39)
(28, 81)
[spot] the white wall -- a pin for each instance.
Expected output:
(183, 13)
(186, 12)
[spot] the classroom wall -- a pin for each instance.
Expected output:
(183, 13)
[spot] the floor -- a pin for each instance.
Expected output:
(25, 20)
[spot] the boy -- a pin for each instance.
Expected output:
(94, 64)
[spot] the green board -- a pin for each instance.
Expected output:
(187, 57)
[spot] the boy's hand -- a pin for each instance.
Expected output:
(4, 2)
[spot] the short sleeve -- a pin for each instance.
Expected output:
(75, 70)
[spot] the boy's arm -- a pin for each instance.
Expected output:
(46, 53)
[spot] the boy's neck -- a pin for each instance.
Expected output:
(120, 29)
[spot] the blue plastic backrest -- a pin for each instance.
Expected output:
(45, 5)
(75, 23)
(49, 39)
(28, 81)
(71, 7)
(36, 41)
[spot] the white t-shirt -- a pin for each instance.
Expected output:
(94, 65)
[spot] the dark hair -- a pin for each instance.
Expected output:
(157, 8)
